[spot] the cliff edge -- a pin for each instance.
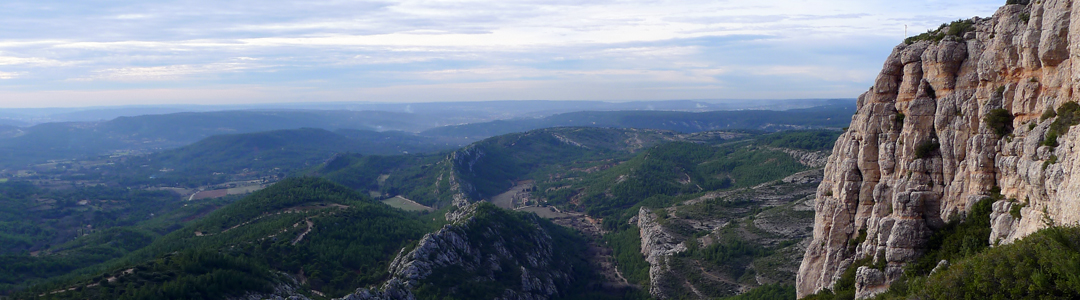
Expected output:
(954, 114)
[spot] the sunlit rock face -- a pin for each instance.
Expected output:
(919, 151)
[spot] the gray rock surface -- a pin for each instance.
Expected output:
(657, 244)
(941, 91)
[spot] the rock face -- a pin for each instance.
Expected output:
(482, 245)
(919, 151)
(657, 244)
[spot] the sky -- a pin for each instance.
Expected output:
(116, 52)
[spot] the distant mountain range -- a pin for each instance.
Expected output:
(833, 115)
(456, 112)
(152, 133)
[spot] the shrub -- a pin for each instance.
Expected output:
(854, 242)
(1040, 266)
(1015, 210)
(1049, 113)
(1052, 160)
(926, 148)
(899, 119)
(1000, 120)
(1068, 115)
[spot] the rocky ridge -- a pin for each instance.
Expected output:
(951, 116)
(484, 248)
(657, 244)
(766, 215)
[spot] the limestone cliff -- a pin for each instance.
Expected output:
(657, 245)
(921, 151)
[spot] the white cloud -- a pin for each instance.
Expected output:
(133, 16)
(595, 49)
(173, 72)
(36, 61)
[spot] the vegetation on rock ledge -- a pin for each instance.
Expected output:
(957, 28)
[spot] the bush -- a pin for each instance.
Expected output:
(1052, 160)
(1049, 113)
(1068, 115)
(926, 148)
(1041, 266)
(1000, 121)
(1014, 211)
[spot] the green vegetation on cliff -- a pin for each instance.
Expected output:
(955, 29)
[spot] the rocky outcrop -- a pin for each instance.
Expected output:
(920, 150)
(482, 245)
(657, 244)
(769, 215)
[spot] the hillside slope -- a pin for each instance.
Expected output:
(489, 167)
(300, 235)
(957, 114)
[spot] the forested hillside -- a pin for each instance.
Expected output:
(48, 233)
(323, 236)
(489, 167)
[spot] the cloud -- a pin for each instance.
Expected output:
(36, 61)
(458, 49)
(166, 72)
